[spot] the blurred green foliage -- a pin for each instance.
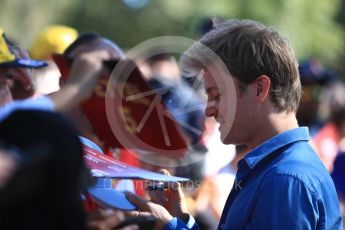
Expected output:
(310, 25)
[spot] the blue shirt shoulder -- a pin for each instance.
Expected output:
(294, 191)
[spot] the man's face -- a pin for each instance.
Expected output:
(5, 93)
(229, 106)
(19, 81)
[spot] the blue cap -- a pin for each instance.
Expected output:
(108, 197)
(9, 59)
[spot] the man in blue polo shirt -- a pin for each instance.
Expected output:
(253, 88)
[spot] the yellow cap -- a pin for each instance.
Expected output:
(5, 54)
(53, 39)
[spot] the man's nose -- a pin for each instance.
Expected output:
(210, 110)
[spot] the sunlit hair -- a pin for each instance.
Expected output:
(250, 49)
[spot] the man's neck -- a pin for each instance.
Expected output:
(275, 124)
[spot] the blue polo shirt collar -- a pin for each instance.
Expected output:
(276, 142)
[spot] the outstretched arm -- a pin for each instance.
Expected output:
(84, 74)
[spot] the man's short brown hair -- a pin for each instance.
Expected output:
(250, 49)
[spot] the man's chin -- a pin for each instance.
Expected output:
(225, 139)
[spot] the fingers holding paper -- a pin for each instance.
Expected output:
(172, 197)
(168, 201)
(147, 208)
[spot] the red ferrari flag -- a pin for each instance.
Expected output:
(131, 114)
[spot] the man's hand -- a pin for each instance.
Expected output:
(171, 198)
(166, 203)
(148, 208)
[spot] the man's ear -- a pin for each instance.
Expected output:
(263, 84)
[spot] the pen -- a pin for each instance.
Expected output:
(155, 187)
